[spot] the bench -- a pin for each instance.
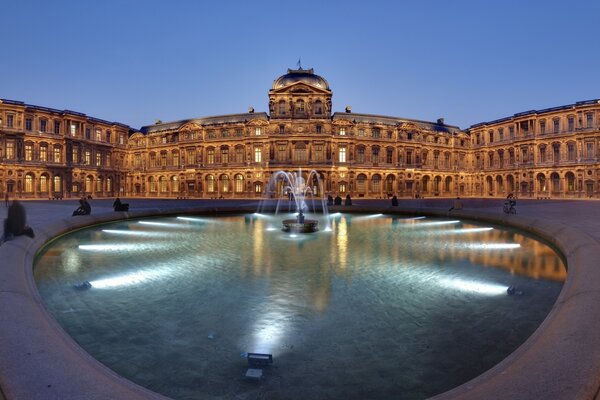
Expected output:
(259, 359)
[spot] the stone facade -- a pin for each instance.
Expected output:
(48, 153)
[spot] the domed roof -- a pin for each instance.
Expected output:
(300, 75)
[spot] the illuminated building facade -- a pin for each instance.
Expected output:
(47, 153)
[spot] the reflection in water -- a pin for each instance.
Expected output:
(396, 293)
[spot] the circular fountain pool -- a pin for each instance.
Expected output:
(368, 307)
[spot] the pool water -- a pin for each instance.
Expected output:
(369, 307)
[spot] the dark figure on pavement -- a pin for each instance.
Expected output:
(6, 199)
(118, 206)
(329, 200)
(394, 201)
(338, 200)
(84, 208)
(15, 223)
(348, 201)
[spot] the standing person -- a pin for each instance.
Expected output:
(394, 201)
(348, 201)
(6, 199)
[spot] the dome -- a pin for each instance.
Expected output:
(300, 75)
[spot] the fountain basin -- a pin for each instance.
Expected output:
(307, 226)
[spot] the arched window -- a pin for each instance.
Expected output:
(375, 155)
(163, 184)
(29, 183)
(389, 184)
(555, 178)
(239, 183)
(175, 183)
(281, 107)
(44, 183)
(425, 183)
(318, 107)
(360, 183)
(210, 184)
(447, 184)
(570, 181)
(99, 184)
(376, 183)
(109, 185)
(152, 183)
(224, 183)
(88, 184)
(57, 183)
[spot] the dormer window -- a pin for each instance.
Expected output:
(318, 107)
(282, 107)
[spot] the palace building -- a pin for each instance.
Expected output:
(48, 153)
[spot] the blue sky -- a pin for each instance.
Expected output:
(135, 61)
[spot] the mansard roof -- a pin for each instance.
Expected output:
(214, 120)
(537, 112)
(393, 121)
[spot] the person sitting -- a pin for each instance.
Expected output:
(15, 223)
(348, 201)
(394, 201)
(118, 206)
(84, 208)
(329, 200)
(338, 200)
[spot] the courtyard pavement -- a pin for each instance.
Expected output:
(560, 361)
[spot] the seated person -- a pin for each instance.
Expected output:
(84, 208)
(394, 201)
(329, 200)
(118, 206)
(15, 222)
(338, 200)
(348, 201)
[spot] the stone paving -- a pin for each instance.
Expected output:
(560, 361)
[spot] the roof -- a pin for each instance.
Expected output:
(538, 112)
(214, 120)
(387, 120)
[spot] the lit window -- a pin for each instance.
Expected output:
(57, 154)
(88, 157)
(257, 131)
(29, 183)
(73, 129)
(210, 156)
(10, 149)
(342, 154)
(57, 184)
(98, 135)
(43, 152)
(257, 154)
(28, 151)
(342, 131)
(98, 159)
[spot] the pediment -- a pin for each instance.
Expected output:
(190, 126)
(300, 88)
(257, 122)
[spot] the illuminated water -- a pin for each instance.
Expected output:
(376, 308)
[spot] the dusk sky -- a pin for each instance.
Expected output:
(137, 61)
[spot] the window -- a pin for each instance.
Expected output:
(542, 154)
(57, 154)
(57, 184)
(300, 106)
(543, 126)
(318, 152)
(210, 156)
(375, 155)
(556, 152)
(376, 133)
(152, 183)
(361, 132)
(107, 160)
(29, 183)
(409, 159)
(360, 155)
(163, 184)
(224, 155)
(556, 123)
(224, 133)
(57, 127)
(571, 151)
(176, 159)
(389, 156)
(121, 139)
(98, 185)
(98, 159)
(43, 152)
(446, 160)
(491, 133)
(257, 154)
(318, 107)
(511, 132)
(174, 184)
(376, 183)
(211, 134)
(281, 107)
(108, 134)
(281, 128)
(238, 133)
(88, 133)
(75, 155)
(571, 122)
(191, 156)
(239, 154)
(589, 120)
(28, 124)
(239, 183)
(73, 129)
(44, 184)
(163, 139)
(300, 152)
(87, 158)
(281, 154)
(109, 184)
(137, 161)
(210, 184)
(258, 131)
(590, 150)
(10, 121)
(319, 128)
(342, 154)
(98, 135)
(224, 183)
(28, 151)
(342, 131)
(43, 123)
(501, 134)
(10, 149)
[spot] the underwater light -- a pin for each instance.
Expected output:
(134, 233)
(435, 223)
(169, 224)
(472, 230)
(126, 280)
(493, 246)
(111, 247)
(491, 289)
(191, 219)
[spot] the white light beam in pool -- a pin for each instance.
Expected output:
(133, 278)
(163, 224)
(111, 247)
(192, 219)
(135, 233)
(493, 246)
(434, 223)
(491, 289)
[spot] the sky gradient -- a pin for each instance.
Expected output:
(135, 61)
